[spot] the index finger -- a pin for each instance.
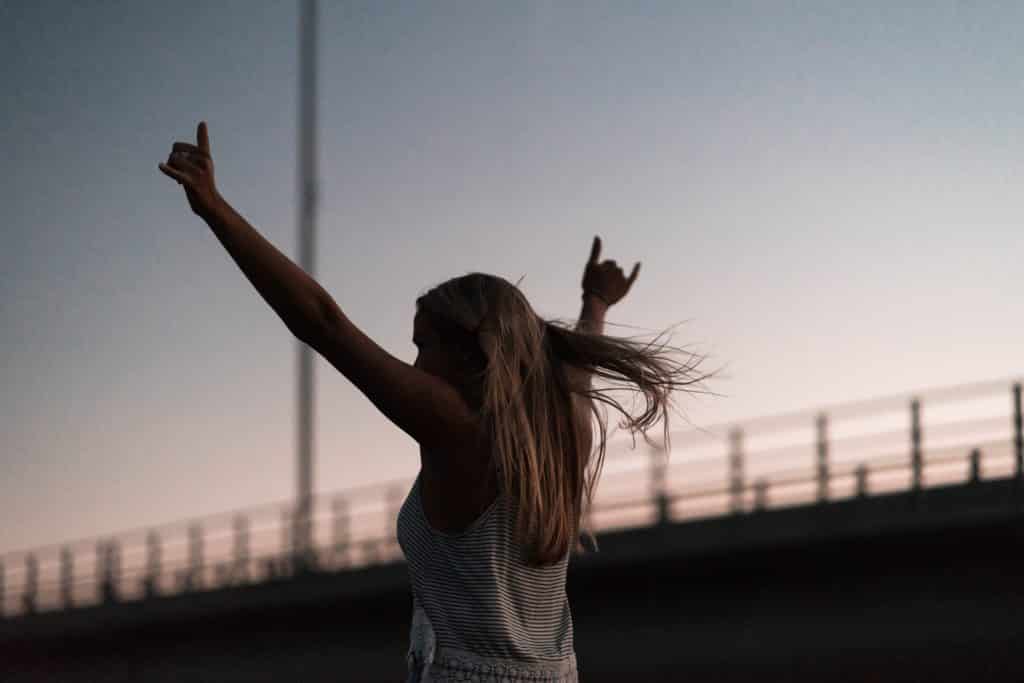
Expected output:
(203, 137)
(595, 250)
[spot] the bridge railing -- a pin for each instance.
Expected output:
(949, 435)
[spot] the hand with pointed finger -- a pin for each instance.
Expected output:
(192, 166)
(605, 279)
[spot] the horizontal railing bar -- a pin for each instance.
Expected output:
(875, 464)
(219, 535)
(838, 412)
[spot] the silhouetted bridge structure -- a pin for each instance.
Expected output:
(861, 542)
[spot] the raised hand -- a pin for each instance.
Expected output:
(192, 166)
(605, 279)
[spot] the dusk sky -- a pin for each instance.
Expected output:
(828, 194)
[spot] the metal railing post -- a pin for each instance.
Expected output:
(589, 517)
(736, 469)
(288, 520)
(822, 444)
(66, 577)
(101, 568)
(115, 568)
(240, 570)
(1018, 437)
(975, 459)
(916, 461)
(659, 485)
(760, 494)
(339, 530)
(29, 597)
(150, 584)
(195, 557)
(107, 559)
(862, 480)
(303, 556)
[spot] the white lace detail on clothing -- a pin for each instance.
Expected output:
(452, 665)
(422, 643)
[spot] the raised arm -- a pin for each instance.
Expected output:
(423, 405)
(603, 286)
(296, 297)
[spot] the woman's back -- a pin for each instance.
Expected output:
(477, 605)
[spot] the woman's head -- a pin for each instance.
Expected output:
(456, 320)
(525, 378)
(446, 350)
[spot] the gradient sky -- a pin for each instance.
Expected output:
(830, 195)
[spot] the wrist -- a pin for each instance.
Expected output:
(593, 298)
(216, 210)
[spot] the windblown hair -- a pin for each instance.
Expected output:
(530, 387)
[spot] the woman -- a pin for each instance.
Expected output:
(500, 403)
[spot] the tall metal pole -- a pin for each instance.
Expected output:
(303, 536)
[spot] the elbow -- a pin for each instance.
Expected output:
(319, 320)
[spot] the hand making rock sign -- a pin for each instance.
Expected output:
(192, 166)
(605, 279)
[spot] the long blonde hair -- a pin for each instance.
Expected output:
(521, 385)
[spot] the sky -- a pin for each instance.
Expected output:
(828, 194)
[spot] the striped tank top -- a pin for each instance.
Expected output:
(477, 607)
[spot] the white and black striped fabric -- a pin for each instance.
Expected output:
(477, 591)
